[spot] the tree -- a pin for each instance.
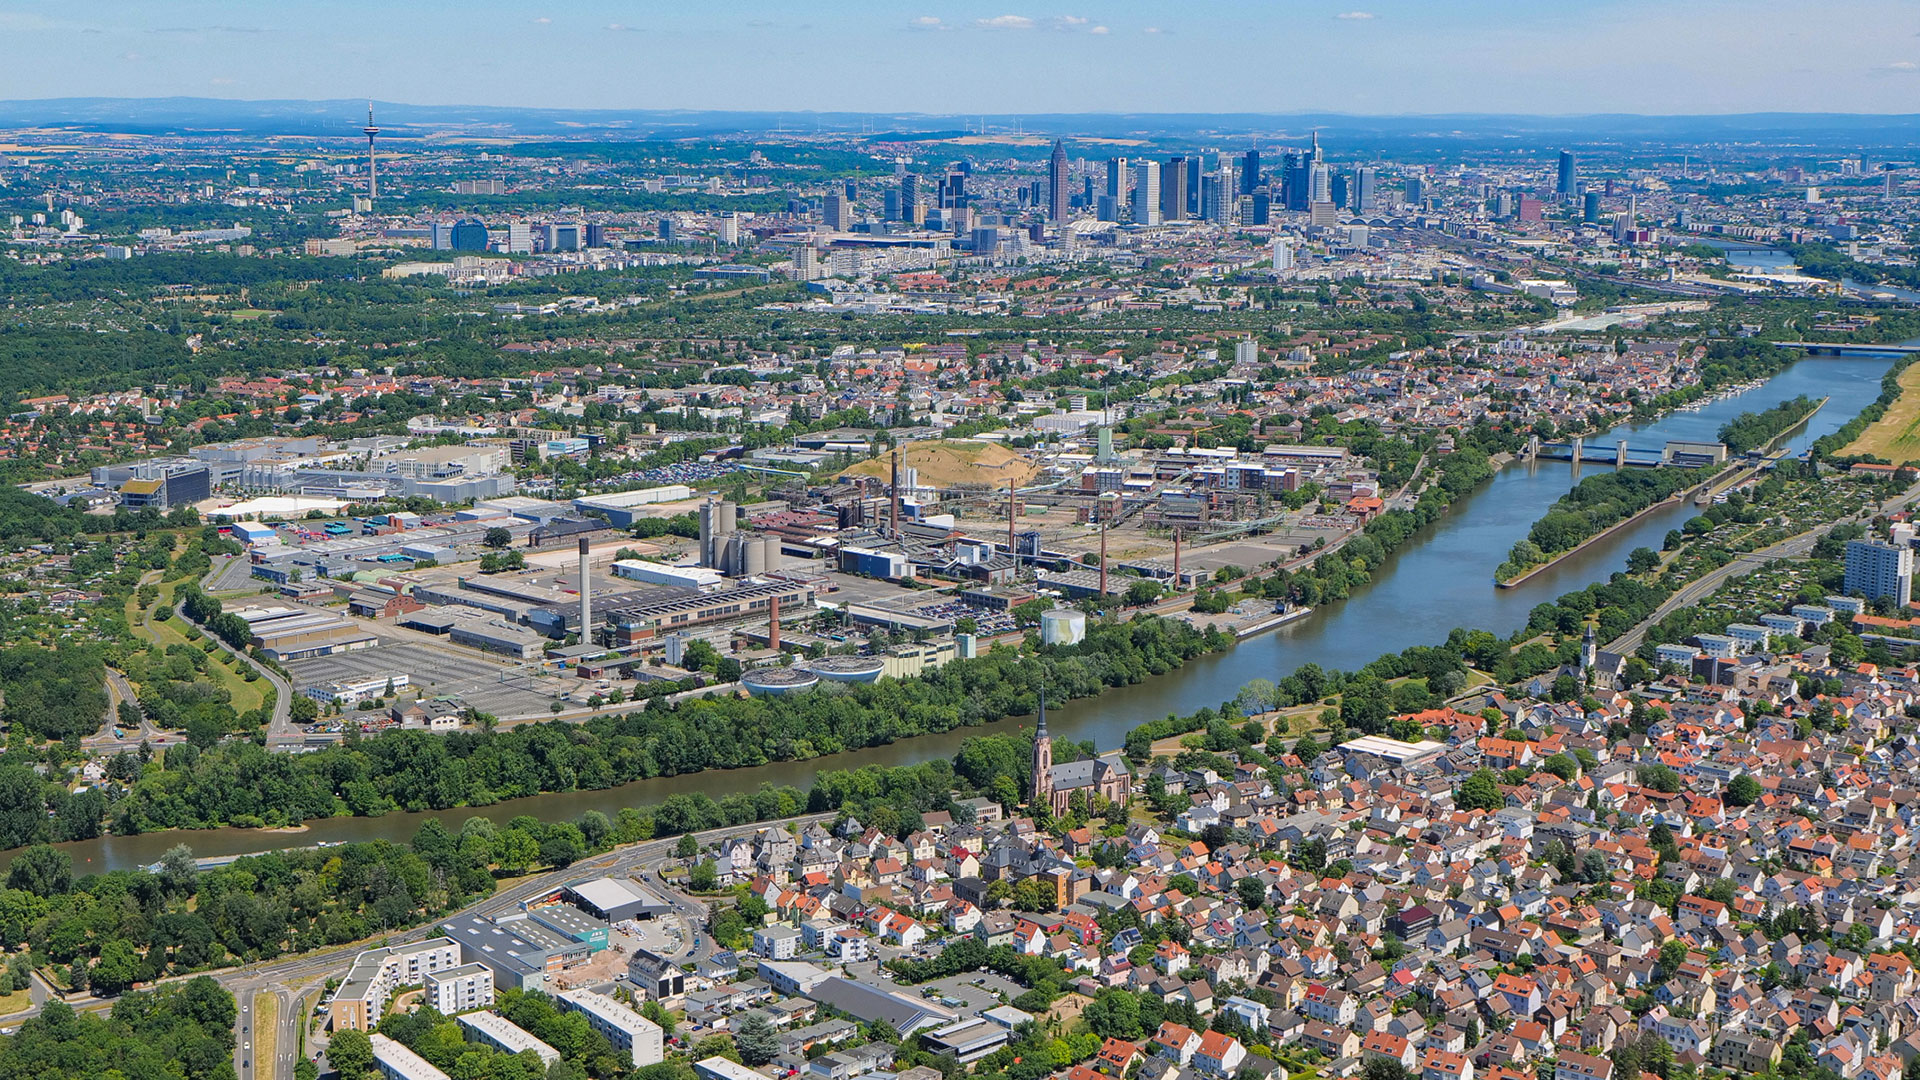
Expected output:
(117, 967)
(1660, 778)
(1035, 894)
(756, 1040)
(1142, 591)
(1562, 766)
(1481, 791)
(41, 870)
(1642, 559)
(704, 877)
(498, 537)
(351, 1052)
(1252, 892)
(1744, 791)
(686, 847)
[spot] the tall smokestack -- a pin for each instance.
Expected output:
(893, 489)
(1011, 550)
(1176, 559)
(1103, 556)
(586, 597)
(773, 625)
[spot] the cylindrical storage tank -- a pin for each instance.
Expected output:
(706, 534)
(729, 513)
(774, 681)
(770, 553)
(756, 556)
(734, 556)
(849, 669)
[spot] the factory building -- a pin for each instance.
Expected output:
(496, 636)
(655, 618)
(623, 508)
(284, 633)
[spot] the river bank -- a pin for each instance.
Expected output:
(1435, 581)
(1600, 537)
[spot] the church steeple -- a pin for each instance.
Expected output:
(1042, 758)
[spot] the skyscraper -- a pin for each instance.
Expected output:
(836, 212)
(909, 196)
(1249, 171)
(1875, 569)
(1365, 190)
(1173, 190)
(1117, 178)
(1416, 191)
(1299, 185)
(1590, 211)
(1057, 183)
(1319, 182)
(1566, 186)
(1193, 185)
(1146, 193)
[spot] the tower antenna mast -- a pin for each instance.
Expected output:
(373, 175)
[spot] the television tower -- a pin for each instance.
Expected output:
(373, 176)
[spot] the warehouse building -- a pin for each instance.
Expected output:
(654, 618)
(285, 633)
(623, 508)
(497, 636)
(522, 951)
(615, 900)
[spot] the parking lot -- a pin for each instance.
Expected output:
(434, 672)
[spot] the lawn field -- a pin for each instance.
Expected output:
(1896, 435)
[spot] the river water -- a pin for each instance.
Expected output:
(1440, 579)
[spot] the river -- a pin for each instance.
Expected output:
(1439, 579)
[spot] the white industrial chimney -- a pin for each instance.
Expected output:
(586, 597)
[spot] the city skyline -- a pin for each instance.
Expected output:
(1394, 57)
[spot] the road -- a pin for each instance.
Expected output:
(230, 573)
(290, 976)
(1793, 547)
(281, 732)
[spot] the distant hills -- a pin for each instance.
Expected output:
(398, 120)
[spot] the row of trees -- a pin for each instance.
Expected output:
(1751, 430)
(1593, 505)
(410, 770)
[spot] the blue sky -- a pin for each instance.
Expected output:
(1359, 56)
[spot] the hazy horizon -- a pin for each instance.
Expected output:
(1355, 57)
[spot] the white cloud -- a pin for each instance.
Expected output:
(543, 20)
(1069, 22)
(1355, 16)
(1153, 30)
(1005, 22)
(1099, 30)
(1902, 66)
(220, 82)
(927, 22)
(622, 28)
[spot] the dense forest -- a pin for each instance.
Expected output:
(181, 1032)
